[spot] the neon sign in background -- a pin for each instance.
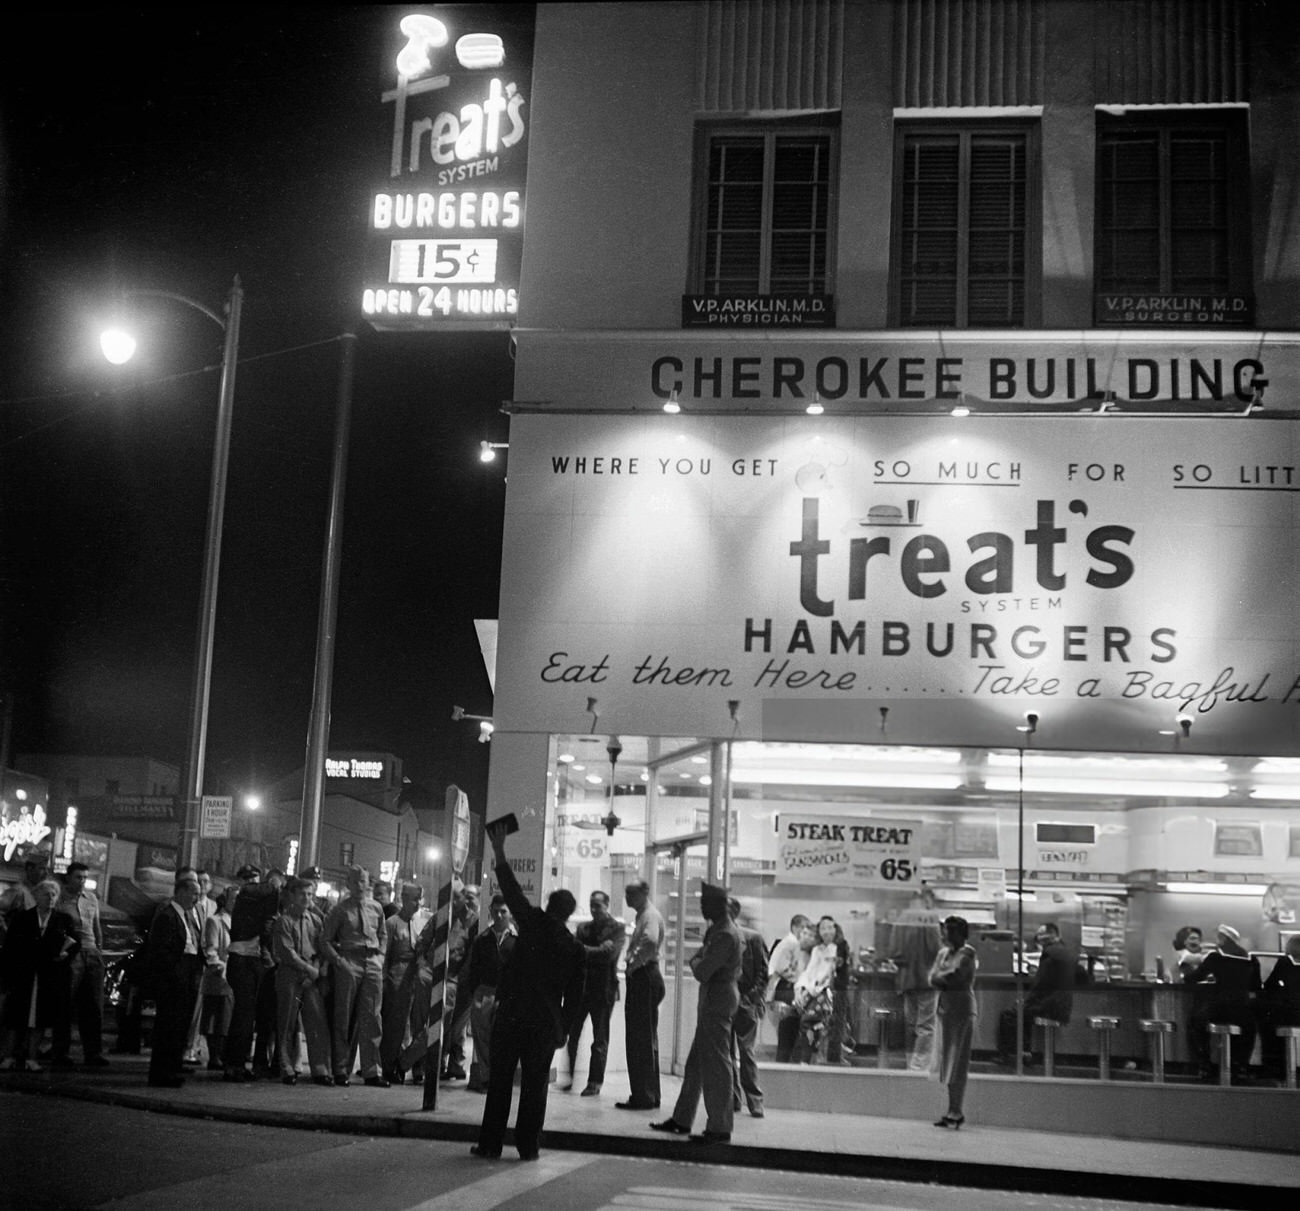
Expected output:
(449, 219)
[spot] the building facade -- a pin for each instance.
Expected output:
(902, 476)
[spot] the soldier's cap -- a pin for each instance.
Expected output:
(709, 892)
(248, 871)
(312, 874)
(1228, 931)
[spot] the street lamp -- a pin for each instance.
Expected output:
(118, 346)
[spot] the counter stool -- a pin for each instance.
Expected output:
(1157, 1028)
(1292, 1036)
(882, 1016)
(1050, 1027)
(1103, 1026)
(1225, 1031)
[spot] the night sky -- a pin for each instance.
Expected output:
(173, 149)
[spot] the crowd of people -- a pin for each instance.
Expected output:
(251, 973)
(51, 968)
(266, 964)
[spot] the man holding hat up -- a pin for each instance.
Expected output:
(1236, 979)
(708, 1066)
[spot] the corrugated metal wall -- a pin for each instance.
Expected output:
(774, 55)
(1171, 51)
(770, 55)
(968, 52)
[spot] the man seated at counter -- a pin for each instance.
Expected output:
(1051, 994)
(1235, 976)
(1279, 1005)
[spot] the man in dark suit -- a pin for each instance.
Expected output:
(716, 965)
(175, 967)
(1051, 994)
(751, 987)
(540, 988)
(602, 937)
(1234, 978)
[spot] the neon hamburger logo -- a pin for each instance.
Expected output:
(469, 136)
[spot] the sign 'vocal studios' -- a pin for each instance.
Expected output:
(446, 226)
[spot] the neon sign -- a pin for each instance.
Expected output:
(457, 163)
(351, 767)
(28, 829)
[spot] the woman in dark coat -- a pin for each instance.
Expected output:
(36, 972)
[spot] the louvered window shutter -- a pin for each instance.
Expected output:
(961, 230)
(767, 214)
(1165, 220)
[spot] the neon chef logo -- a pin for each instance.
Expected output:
(472, 134)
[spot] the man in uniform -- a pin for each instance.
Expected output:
(400, 982)
(299, 969)
(751, 988)
(354, 940)
(603, 938)
(716, 965)
(645, 990)
(538, 994)
(1234, 978)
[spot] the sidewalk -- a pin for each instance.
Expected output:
(895, 1149)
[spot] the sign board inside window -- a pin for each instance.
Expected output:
(1048, 833)
(1244, 840)
(849, 851)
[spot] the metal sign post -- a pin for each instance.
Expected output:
(433, 944)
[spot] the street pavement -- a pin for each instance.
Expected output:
(130, 1160)
(799, 1141)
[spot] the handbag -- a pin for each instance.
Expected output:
(783, 994)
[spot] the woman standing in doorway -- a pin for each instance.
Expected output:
(953, 974)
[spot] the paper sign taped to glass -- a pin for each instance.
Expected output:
(849, 851)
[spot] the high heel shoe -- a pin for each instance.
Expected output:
(953, 1121)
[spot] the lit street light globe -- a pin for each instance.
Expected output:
(118, 345)
(252, 802)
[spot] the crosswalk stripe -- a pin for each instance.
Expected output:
(670, 1198)
(506, 1182)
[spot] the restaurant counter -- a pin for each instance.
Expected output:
(1128, 1000)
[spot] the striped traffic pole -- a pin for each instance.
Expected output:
(429, 1044)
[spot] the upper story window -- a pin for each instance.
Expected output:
(1173, 222)
(765, 210)
(966, 238)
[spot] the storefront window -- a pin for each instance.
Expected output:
(1117, 851)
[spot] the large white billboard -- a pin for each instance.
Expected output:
(916, 579)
